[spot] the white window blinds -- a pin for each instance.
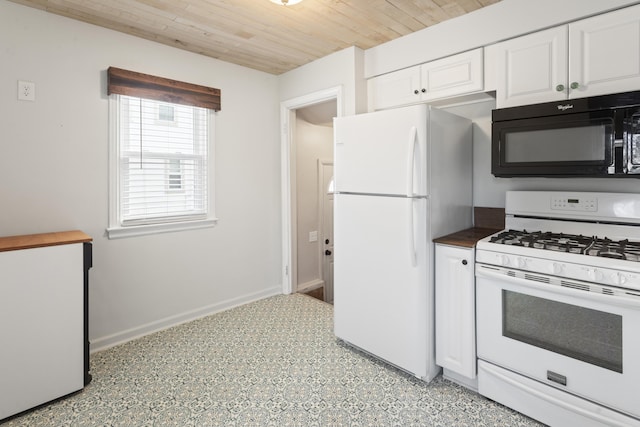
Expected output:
(163, 161)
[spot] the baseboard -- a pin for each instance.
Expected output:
(469, 383)
(103, 343)
(311, 285)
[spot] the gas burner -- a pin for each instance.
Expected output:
(577, 244)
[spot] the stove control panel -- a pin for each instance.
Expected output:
(572, 204)
(570, 266)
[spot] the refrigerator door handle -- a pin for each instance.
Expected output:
(412, 233)
(411, 160)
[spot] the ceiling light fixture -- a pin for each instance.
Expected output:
(286, 2)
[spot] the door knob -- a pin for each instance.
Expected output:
(327, 252)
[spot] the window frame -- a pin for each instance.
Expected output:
(116, 228)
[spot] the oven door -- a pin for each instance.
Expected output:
(551, 330)
(580, 144)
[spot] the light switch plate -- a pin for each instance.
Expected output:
(313, 236)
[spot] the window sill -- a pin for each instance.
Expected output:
(142, 230)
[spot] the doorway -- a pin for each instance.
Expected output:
(307, 170)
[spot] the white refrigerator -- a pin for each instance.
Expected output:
(402, 178)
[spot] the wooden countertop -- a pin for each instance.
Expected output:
(486, 220)
(466, 238)
(13, 243)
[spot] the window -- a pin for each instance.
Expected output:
(160, 166)
(165, 113)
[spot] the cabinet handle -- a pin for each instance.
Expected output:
(464, 262)
(416, 91)
(575, 85)
(423, 90)
(559, 88)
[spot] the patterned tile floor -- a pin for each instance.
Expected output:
(274, 362)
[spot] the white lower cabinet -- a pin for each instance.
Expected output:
(455, 313)
(44, 345)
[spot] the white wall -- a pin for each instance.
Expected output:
(313, 142)
(500, 21)
(344, 68)
(54, 165)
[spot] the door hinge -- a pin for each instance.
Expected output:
(286, 270)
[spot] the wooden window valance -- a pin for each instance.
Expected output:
(140, 85)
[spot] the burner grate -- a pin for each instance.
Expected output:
(571, 243)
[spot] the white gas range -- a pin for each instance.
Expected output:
(558, 308)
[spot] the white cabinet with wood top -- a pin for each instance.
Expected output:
(455, 313)
(43, 318)
(451, 76)
(594, 56)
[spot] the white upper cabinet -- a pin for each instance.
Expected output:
(529, 69)
(459, 74)
(604, 53)
(393, 89)
(593, 56)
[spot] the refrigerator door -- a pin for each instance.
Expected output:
(382, 152)
(380, 284)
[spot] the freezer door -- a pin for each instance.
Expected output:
(382, 152)
(380, 284)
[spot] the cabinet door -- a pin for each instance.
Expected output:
(604, 53)
(454, 75)
(394, 89)
(532, 68)
(455, 310)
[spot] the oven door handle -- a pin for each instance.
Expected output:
(567, 405)
(497, 273)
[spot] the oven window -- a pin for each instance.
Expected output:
(570, 144)
(585, 334)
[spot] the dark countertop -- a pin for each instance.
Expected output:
(466, 238)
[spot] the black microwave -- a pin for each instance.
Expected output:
(588, 137)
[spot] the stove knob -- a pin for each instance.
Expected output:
(504, 260)
(522, 262)
(621, 278)
(595, 275)
(556, 268)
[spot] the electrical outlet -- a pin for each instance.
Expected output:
(26, 91)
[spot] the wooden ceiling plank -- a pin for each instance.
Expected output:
(257, 33)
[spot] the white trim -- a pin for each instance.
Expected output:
(321, 225)
(167, 227)
(287, 111)
(310, 285)
(108, 341)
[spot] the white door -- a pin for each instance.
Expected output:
(532, 68)
(604, 53)
(380, 279)
(382, 152)
(327, 247)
